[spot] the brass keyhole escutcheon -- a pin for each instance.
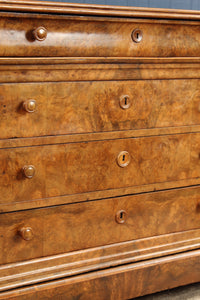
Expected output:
(137, 35)
(123, 159)
(125, 102)
(120, 216)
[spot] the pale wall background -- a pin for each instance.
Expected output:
(181, 4)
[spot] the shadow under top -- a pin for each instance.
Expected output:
(96, 10)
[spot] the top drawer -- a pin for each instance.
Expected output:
(26, 35)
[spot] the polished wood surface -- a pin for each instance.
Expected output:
(99, 150)
(84, 107)
(48, 231)
(82, 261)
(96, 136)
(97, 10)
(117, 283)
(72, 38)
(67, 169)
(105, 71)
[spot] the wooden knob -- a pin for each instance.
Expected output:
(29, 105)
(29, 171)
(123, 159)
(40, 33)
(120, 216)
(26, 233)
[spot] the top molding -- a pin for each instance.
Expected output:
(96, 10)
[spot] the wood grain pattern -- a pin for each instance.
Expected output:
(65, 228)
(170, 272)
(71, 38)
(90, 196)
(75, 168)
(152, 62)
(79, 262)
(96, 72)
(99, 150)
(95, 136)
(83, 107)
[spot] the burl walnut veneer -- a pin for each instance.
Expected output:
(99, 150)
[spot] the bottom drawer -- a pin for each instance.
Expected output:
(48, 231)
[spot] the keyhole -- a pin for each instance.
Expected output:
(137, 35)
(123, 159)
(120, 216)
(125, 102)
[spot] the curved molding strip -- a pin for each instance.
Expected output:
(98, 72)
(97, 10)
(78, 262)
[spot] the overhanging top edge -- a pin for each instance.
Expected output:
(33, 6)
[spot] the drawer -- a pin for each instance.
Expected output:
(47, 231)
(83, 107)
(91, 37)
(65, 169)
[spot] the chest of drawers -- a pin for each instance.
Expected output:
(99, 150)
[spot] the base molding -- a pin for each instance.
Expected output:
(135, 280)
(128, 253)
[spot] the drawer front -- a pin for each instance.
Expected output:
(48, 231)
(53, 170)
(80, 107)
(96, 38)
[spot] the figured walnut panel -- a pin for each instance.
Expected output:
(83, 107)
(96, 38)
(84, 225)
(74, 168)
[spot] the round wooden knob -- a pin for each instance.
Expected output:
(120, 216)
(29, 171)
(40, 33)
(123, 159)
(125, 102)
(29, 105)
(137, 35)
(26, 233)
